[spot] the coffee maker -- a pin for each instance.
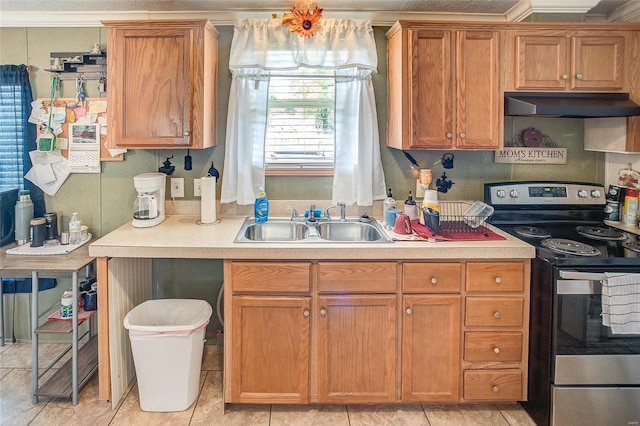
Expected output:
(148, 207)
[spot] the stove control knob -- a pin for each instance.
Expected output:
(514, 193)
(582, 193)
(501, 193)
(595, 193)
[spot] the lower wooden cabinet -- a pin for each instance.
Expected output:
(270, 346)
(302, 332)
(431, 348)
(357, 348)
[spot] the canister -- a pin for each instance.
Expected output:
(614, 201)
(52, 225)
(66, 304)
(630, 206)
(38, 231)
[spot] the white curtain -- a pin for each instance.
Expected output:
(259, 47)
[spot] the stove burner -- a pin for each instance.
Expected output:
(600, 233)
(632, 245)
(561, 245)
(531, 232)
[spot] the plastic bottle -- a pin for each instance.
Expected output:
(410, 207)
(75, 226)
(630, 206)
(388, 203)
(430, 201)
(261, 206)
(24, 214)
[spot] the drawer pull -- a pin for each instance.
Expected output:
(496, 389)
(496, 350)
(434, 280)
(409, 311)
(565, 77)
(579, 76)
(496, 315)
(323, 312)
(498, 280)
(305, 313)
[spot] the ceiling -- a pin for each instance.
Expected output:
(77, 12)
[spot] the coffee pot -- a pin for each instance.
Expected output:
(148, 207)
(145, 206)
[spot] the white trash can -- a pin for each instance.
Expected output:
(167, 340)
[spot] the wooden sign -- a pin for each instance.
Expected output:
(537, 156)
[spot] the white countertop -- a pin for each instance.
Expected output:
(179, 236)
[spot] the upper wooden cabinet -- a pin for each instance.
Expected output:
(443, 87)
(162, 83)
(570, 60)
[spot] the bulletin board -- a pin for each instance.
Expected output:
(105, 155)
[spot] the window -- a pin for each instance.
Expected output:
(300, 122)
(11, 137)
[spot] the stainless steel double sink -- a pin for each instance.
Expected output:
(284, 230)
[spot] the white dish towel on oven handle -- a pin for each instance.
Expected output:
(621, 303)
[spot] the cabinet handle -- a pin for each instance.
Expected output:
(565, 77)
(579, 76)
(463, 135)
(409, 311)
(434, 280)
(323, 312)
(187, 133)
(496, 350)
(305, 313)
(496, 389)
(449, 135)
(496, 315)
(498, 280)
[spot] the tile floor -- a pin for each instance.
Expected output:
(16, 407)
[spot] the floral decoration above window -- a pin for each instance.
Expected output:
(303, 20)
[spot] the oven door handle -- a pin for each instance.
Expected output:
(575, 275)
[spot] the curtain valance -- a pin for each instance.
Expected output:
(267, 44)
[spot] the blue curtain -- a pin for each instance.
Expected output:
(16, 101)
(17, 135)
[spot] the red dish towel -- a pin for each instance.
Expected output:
(82, 315)
(479, 234)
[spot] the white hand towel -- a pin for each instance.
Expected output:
(621, 303)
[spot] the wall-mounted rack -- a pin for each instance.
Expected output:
(71, 65)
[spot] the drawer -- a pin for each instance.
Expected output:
(494, 385)
(431, 277)
(494, 311)
(284, 277)
(359, 277)
(495, 276)
(491, 346)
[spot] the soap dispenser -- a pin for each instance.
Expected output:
(388, 203)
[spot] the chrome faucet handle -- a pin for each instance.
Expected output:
(343, 210)
(312, 214)
(294, 212)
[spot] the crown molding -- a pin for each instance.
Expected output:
(220, 17)
(628, 12)
(562, 6)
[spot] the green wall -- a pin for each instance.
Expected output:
(104, 201)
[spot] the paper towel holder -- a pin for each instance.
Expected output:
(208, 203)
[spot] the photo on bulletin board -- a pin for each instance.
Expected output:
(84, 148)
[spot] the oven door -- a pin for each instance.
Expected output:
(578, 328)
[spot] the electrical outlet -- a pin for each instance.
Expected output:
(196, 187)
(177, 187)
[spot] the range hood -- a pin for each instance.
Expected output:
(578, 105)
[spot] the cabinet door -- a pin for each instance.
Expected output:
(429, 74)
(357, 349)
(597, 62)
(431, 348)
(478, 96)
(542, 62)
(149, 93)
(270, 346)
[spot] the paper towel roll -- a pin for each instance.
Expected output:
(207, 199)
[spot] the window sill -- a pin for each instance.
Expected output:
(290, 171)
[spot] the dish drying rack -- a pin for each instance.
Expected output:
(458, 217)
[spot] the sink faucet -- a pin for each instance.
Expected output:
(343, 211)
(312, 215)
(294, 212)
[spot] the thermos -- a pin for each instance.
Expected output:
(38, 231)
(24, 214)
(52, 225)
